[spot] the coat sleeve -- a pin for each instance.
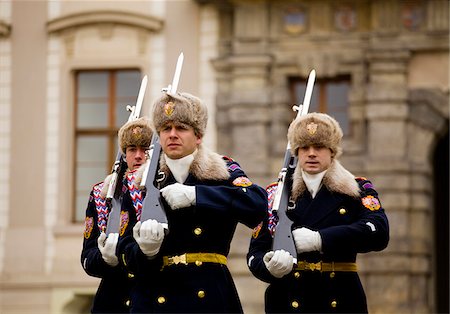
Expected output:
(262, 240)
(246, 201)
(369, 232)
(134, 261)
(91, 258)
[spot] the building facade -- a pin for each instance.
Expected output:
(382, 70)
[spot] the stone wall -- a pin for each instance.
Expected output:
(392, 133)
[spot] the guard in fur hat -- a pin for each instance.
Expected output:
(98, 256)
(335, 216)
(205, 196)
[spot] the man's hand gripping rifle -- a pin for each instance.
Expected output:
(152, 207)
(283, 235)
(114, 194)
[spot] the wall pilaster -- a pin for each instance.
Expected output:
(391, 166)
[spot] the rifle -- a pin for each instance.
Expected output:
(114, 194)
(152, 207)
(283, 234)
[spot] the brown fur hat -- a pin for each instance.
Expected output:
(182, 108)
(135, 133)
(315, 129)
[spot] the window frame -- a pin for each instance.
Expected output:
(110, 131)
(320, 89)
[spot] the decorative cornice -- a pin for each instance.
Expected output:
(76, 20)
(5, 29)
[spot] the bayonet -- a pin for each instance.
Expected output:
(172, 88)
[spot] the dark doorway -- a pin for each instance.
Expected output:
(441, 223)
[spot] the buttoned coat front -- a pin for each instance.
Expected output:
(348, 223)
(224, 197)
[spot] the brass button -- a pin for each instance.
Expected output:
(198, 231)
(295, 304)
(161, 300)
(130, 275)
(333, 303)
(201, 294)
(297, 274)
(332, 274)
(127, 303)
(198, 263)
(342, 211)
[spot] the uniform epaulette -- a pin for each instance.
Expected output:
(364, 183)
(271, 185)
(229, 159)
(96, 184)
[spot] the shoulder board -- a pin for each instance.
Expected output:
(231, 164)
(99, 184)
(364, 183)
(271, 185)
(228, 159)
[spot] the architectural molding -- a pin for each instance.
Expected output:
(429, 109)
(77, 20)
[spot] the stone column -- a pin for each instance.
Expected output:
(401, 271)
(243, 117)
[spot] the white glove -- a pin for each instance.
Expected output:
(149, 235)
(179, 195)
(107, 247)
(279, 263)
(307, 240)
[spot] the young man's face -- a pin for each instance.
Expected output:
(314, 159)
(178, 140)
(135, 156)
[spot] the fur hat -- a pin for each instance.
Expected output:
(182, 108)
(315, 129)
(135, 133)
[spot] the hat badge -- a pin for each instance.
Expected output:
(311, 128)
(169, 108)
(137, 131)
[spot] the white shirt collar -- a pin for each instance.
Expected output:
(180, 167)
(313, 181)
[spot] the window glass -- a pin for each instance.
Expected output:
(300, 90)
(337, 102)
(92, 96)
(101, 100)
(329, 96)
(128, 83)
(92, 115)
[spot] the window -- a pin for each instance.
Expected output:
(329, 96)
(101, 98)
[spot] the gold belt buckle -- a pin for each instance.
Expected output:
(177, 259)
(314, 266)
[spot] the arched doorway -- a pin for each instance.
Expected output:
(441, 223)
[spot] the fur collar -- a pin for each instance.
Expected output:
(207, 165)
(336, 179)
